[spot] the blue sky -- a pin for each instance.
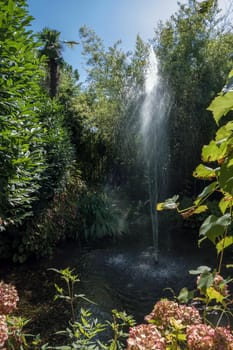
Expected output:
(110, 19)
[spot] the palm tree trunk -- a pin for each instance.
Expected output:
(53, 68)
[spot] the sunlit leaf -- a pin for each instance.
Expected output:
(200, 209)
(224, 131)
(221, 105)
(229, 266)
(170, 203)
(204, 172)
(160, 206)
(213, 294)
(213, 152)
(224, 243)
(225, 203)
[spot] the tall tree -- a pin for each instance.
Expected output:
(52, 50)
(190, 46)
(114, 79)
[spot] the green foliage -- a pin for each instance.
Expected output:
(59, 153)
(83, 331)
(98, 215)
(55, 221)
(22, 154)
(219, 152)
(35, 147)
(71, 280)
(114, 79)
(190, 45)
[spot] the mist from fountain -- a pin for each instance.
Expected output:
(154, 115)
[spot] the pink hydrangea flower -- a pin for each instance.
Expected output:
(220, 285)
(162, 312)
(165, 310)
(188, 315)
(204, 337)
(145, 337)
(3, 330)
(8, 298)
(223, 339)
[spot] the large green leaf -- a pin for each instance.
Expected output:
(225, 131)
(213, 294)
(214, 151)
(205, 281)
(224, 243)
(221, 105)
(204, 172)
(214, 227)
(225, 203)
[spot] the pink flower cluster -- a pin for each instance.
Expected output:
(157, 334)
(204, 337)
(8, 298)
(145, 337)
(3, 330)
(8, 301)
(165, 310)
(220, 285)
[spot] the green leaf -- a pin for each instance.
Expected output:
(226, 178)
(207, 191)
(213, 294)
(170, 203)
(204, 172)
(160, 206)
(201, 269)
(225, 203)
(224, 132)
(185, 295)
(214, 227)
(213, 152)
(58, 289)
(205, 281)
(224, 243)
(221, 105)
(200, 209)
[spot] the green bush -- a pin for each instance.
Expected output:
(98, 216)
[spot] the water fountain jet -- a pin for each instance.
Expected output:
(154, 112)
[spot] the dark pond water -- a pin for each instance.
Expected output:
(121, 275)
(125, 276)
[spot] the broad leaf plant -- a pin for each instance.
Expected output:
(216, 169)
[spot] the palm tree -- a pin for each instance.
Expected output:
(52, 50)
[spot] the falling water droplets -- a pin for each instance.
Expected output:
(154, 111)
(151, 75)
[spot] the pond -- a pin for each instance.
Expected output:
(121, 275)
(125, 275)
